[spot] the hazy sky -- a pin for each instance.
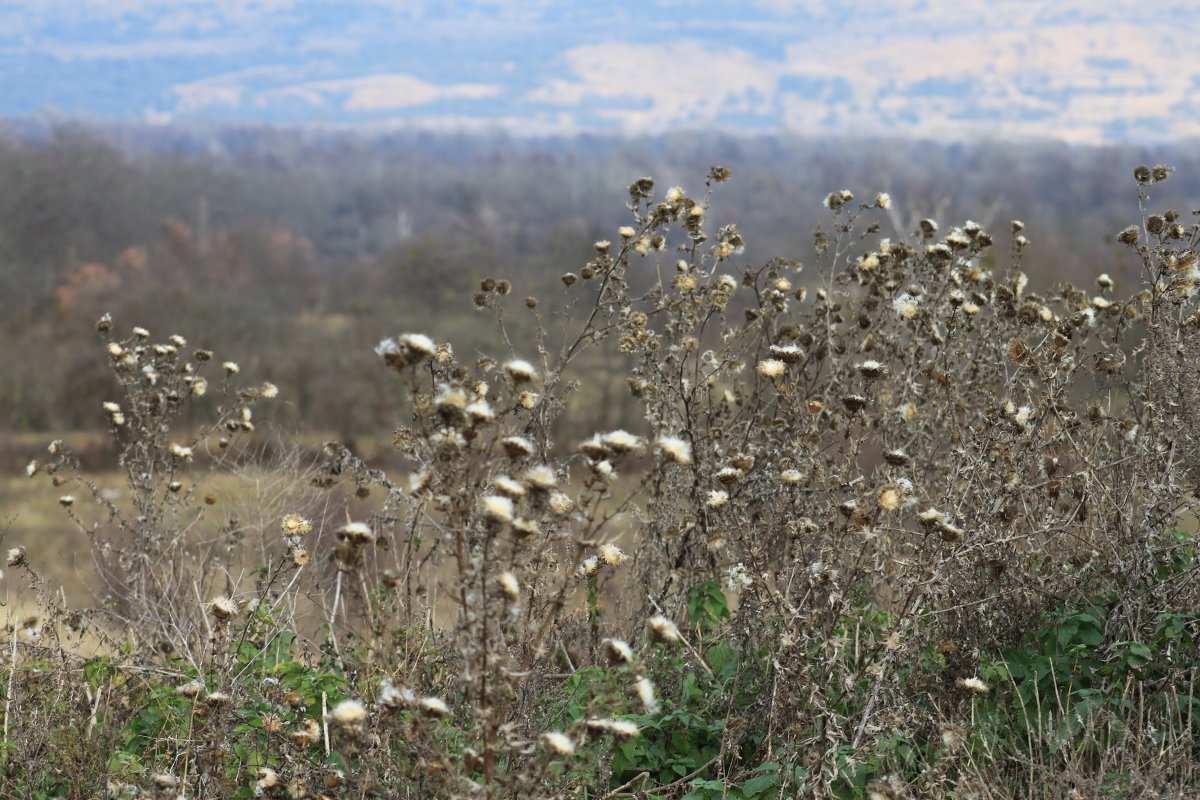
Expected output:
(1085, 71)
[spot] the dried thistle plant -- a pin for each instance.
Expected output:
(892, 463)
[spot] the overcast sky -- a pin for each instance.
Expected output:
(1085, 72)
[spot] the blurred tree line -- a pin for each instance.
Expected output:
(295, 251)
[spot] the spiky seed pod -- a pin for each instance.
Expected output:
(1021, 353)
(618, 651)
(509, 586)
(348, 714)
(674, 449)
(1129, 235)
(433, 707)
(972, 685)
(404, 351)
(854, 403)
(540, 478)
(729, 476)
(611, 554)
(930, 517)
(523, 528)
(890, 498)
(788, 354)
(356, 533)
(558, 743)
(294, 525)
(620, 441)
(772, 368)
(872, 370)
(791, 477)
(663, 629)
(222, 608)
(520, 371)
(497, 508)
(516, 446)
(742, 462)
(951, 534)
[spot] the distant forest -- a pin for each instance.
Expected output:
(293, 251)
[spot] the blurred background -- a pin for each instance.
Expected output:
(286, 182)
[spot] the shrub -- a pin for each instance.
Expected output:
(892, 524)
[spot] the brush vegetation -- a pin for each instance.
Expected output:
(893, 522)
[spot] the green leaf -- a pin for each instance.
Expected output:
(709, 784)
(1140, 652)
(97, 671)
(760, 784)
(707, 606)
(724, 661)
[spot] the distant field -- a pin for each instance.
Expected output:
(31, 516)
(256, 497)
